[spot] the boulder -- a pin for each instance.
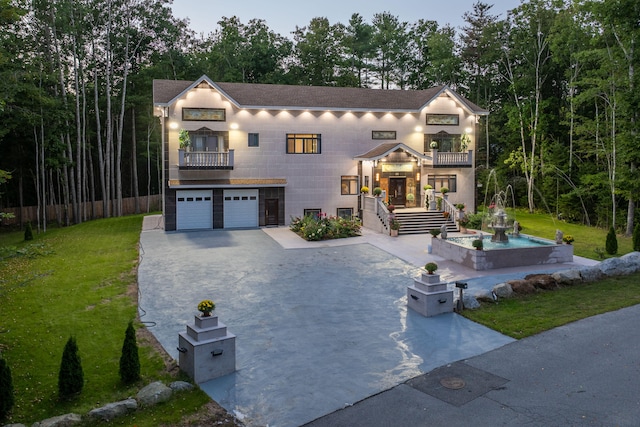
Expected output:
(65, 420)
(617, 267)
(542, 281)
(632, 258)
(181, 386)
(568, 277)
(484, 295)
(154, 393)
(113, 410)
(470, 302)
(503, 290)
(522, 287)
(591, 273)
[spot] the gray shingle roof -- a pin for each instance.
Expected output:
(317, 98)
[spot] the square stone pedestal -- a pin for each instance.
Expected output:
(207, 349)
(429, 296)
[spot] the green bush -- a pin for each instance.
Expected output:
(313, 228)
(6, 389)
(28, 232)
(611, 245)
(635, 239)
(70, 377)
(129, 360)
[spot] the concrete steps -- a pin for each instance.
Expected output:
(420, 222)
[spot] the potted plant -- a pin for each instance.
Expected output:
(445, 214)
(377, 191)
(364, 189)
(444, 190)
(391, 208)
(568, 239)
(465, 140)
(184, 138)
(410, 197)
(478, 244)
(206, 306)
(434, 232)
(460, 206)
(434, 145)
(394, 225)
(431, 267)
(427, 187)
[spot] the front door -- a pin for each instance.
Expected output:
(271, 211)
(397, 191)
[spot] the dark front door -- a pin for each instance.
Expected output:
(397, 191)
(271, 211)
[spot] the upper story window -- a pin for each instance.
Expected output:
(446, 142)
(254, 140)
(304, 143)
(204, 114)
(205, 139)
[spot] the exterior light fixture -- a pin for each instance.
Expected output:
(173, 125)
(418, 129)
(234, 126)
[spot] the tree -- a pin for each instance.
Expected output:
(319, 50)
(129, 360)
(390, 40)
(611, 245)
(359, 49)
(70, 376)
(6, 389)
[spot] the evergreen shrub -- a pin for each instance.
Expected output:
(611, 245)
(70, 377)
(6, 389)
(635, 239)
(129, 360)
(28, 232)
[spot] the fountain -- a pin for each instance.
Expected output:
(504, 249)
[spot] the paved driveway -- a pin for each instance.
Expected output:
(318, 328)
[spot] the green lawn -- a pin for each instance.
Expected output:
(76, 281)
(528, 315)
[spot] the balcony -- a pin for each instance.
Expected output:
(447, 159)
(205, 160)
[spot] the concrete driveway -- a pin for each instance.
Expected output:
(319, 325)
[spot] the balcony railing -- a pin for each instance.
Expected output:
(441, 158)
(205, 160)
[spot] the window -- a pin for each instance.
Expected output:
(446, 142)
(303, 143)
(349, 184)
(315, 213)
(346, 213)
(205, 139)
(439, 181)
(204, 114)
(254, 140)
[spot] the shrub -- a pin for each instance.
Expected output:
(478, 244)
(635, 239)
(6, 389)
(434, 232)
(394, 224)
(431, 267)
(70, 377)
(28, 232)
(444, 190)
(364, 189)
(475, 221)
(611, 245)
(323, 228)
(129, 360)
(377, 191)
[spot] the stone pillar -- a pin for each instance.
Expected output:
(430, 297)
(207, 349)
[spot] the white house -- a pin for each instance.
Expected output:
(261, 154)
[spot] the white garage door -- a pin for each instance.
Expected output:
(240, 208)
(194, 209)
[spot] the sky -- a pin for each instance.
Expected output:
(282, 16)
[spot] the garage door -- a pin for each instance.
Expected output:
(194, 209)
(240, 208)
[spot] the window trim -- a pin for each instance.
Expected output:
(351, 190)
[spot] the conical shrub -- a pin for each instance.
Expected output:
(28, 232)
(636, 238)
(612, 242)
(6, 389)
(129, 360)
(70, 377)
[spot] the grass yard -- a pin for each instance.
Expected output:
(78, 281)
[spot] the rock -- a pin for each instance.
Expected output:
(65, 420)
(542, 281)
(154, 393)
(591, 273)
(617, 267)
(632, 258)
(484, 295)
(113, 410)
(568, 277)
(181, 386)
(522, 287)
(470, 302)
(503, 290)
(14, 425)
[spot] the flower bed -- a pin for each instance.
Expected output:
(322, 227)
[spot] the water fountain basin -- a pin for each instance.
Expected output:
(519, 251)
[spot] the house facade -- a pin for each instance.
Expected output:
(261, 154)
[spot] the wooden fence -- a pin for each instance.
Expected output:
(89, 211)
